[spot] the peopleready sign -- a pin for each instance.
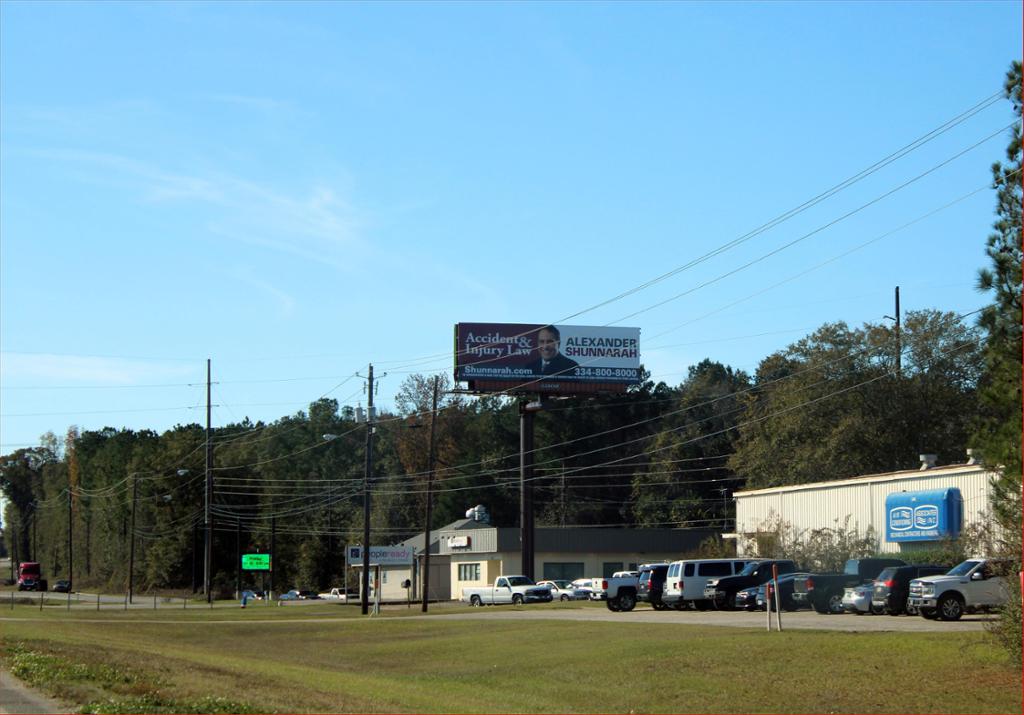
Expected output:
(381, 555)
(525, 354)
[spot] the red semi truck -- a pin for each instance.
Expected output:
(30, 577)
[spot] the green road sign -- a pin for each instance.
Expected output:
(255, 562)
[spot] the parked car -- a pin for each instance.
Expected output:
(62, 586)
(857, 599)
(583, 587)
(598, 589)
(892, 587)
(618, 592)
(516, 590)
(722, 591)
(685, 580)
(307, 595)
(292, 595)
(785, 592)
(824, 591)
(746, 600)
(561, 590)
(651, 584)
(973, 584)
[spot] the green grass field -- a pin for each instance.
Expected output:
(328, 659)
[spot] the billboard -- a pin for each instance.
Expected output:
(930, 515)
(531, 357)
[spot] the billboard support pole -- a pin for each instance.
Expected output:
(526, 414)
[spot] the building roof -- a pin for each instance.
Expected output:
(416, 542)
(625, 540)
(869, 479)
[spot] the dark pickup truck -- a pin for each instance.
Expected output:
(722, 592)
(824, 591)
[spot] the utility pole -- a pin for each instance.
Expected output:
(208, 550)
(899, 346)
(366, 493)
(131, 538)
(35, 521)
(238, 558)
(430, 498)
(71, 543)
(273, 549)
(195, 540)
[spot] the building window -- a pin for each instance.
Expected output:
(469, 572)
(563, 571)
(608, 568)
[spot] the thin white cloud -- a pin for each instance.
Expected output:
(312, 224)
(43, 367)
(285, 302)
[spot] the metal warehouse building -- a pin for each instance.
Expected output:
(907, 510)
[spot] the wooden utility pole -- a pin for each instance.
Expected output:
(899, 346)
(430, 498)
(366, 494)
(208, 550)
(131, 538)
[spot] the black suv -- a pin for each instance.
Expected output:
(892, 587)
(722, 591)
(650, 585)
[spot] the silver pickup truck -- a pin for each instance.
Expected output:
(975, 584)
(516, 590)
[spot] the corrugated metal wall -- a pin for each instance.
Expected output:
(481, 541)
(827, 504)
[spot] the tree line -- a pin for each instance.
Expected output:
(829, 406)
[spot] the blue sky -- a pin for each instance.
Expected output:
(297, 190)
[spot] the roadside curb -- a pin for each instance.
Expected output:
(16, 697)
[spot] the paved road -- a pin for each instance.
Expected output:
(800, 620)
(16, 697)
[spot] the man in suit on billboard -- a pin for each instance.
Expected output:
(551, 361)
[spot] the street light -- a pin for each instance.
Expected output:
(723, 491)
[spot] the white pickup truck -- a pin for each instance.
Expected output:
(516, 590)
(974, 584)
(334, 593)
(620, 590)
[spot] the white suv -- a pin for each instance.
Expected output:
(969, 586)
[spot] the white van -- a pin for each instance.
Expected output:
(685, 580)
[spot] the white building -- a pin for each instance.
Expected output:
(902, 508)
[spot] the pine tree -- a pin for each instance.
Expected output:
(999, 434)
